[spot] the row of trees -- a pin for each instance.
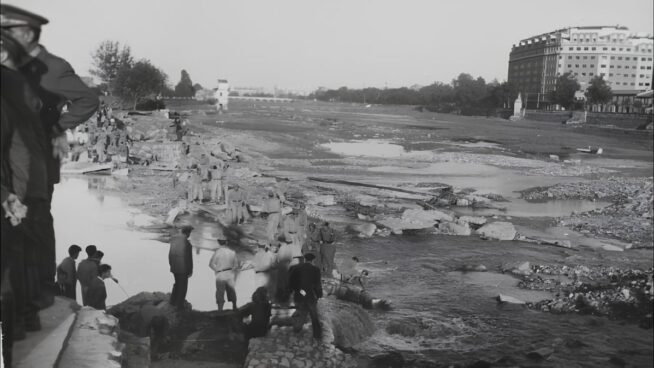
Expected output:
(465, 95)
(468, 95)
(597, 93)
(135, 81)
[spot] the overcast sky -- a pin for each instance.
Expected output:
(304, 44)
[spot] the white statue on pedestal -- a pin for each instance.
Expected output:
(517, 109)
(517, 105)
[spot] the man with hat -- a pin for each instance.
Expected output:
(180, 258)
(57, 85)
(224, 263)
(23, 175)
(305, 282)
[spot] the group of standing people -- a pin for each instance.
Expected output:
(291, 261)
(42, 97)
(106, 137)
(278, 275)
(90, 273)
(207, 175)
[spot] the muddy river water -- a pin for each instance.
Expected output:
(449, 316)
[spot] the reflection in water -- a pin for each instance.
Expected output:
(522, 208)
(368, 148)
(84, 215)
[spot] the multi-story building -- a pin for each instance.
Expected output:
(624, 60)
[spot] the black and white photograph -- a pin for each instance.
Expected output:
(327, 184)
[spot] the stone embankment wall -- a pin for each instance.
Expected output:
(93, 341)
(344, 325)
(624, 121)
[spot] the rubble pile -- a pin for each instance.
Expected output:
(616, 189)
(629, 218)
(603, 291)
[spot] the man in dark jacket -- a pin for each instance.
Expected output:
(180, 258)
(97, 292)
(87, 270)
(58, 87)
(23, 176)
(66, 273)
(305, 282)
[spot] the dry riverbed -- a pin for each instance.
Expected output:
(442, 175)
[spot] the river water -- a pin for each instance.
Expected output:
(83, 216)
(451, 317)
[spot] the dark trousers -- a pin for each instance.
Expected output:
(40, 239)
(178, 295)
(327, 254)
(9, 244)
(307, 306)
(68, 290)
(19, 263)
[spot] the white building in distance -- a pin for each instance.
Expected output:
(221, 95)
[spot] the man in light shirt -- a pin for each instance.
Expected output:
(224, 263)
(264, 262)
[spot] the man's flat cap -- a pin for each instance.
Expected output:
(11, 16)
(186, 228)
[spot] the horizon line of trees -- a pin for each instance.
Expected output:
(465, 95)
(135, 81)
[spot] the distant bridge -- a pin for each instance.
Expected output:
(266, 99)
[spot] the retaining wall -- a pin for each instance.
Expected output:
(625, 121)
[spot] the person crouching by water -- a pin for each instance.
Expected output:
(96, 294)
(180, 258)
(260, 310)
(224, 263)
(306, 284)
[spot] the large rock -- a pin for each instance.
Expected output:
(138, 313)
(344, 325)
(452, 228)
(364, 230)
(475, 199)
(498, 230)
(415, 219)
(472, 220)
(322, 200)
(423, 216)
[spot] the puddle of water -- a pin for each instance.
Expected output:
(479, 144)
(443, 168)
(138, 261)
(493, 284)
(484, 178)
(368, 148)
(522, 208)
